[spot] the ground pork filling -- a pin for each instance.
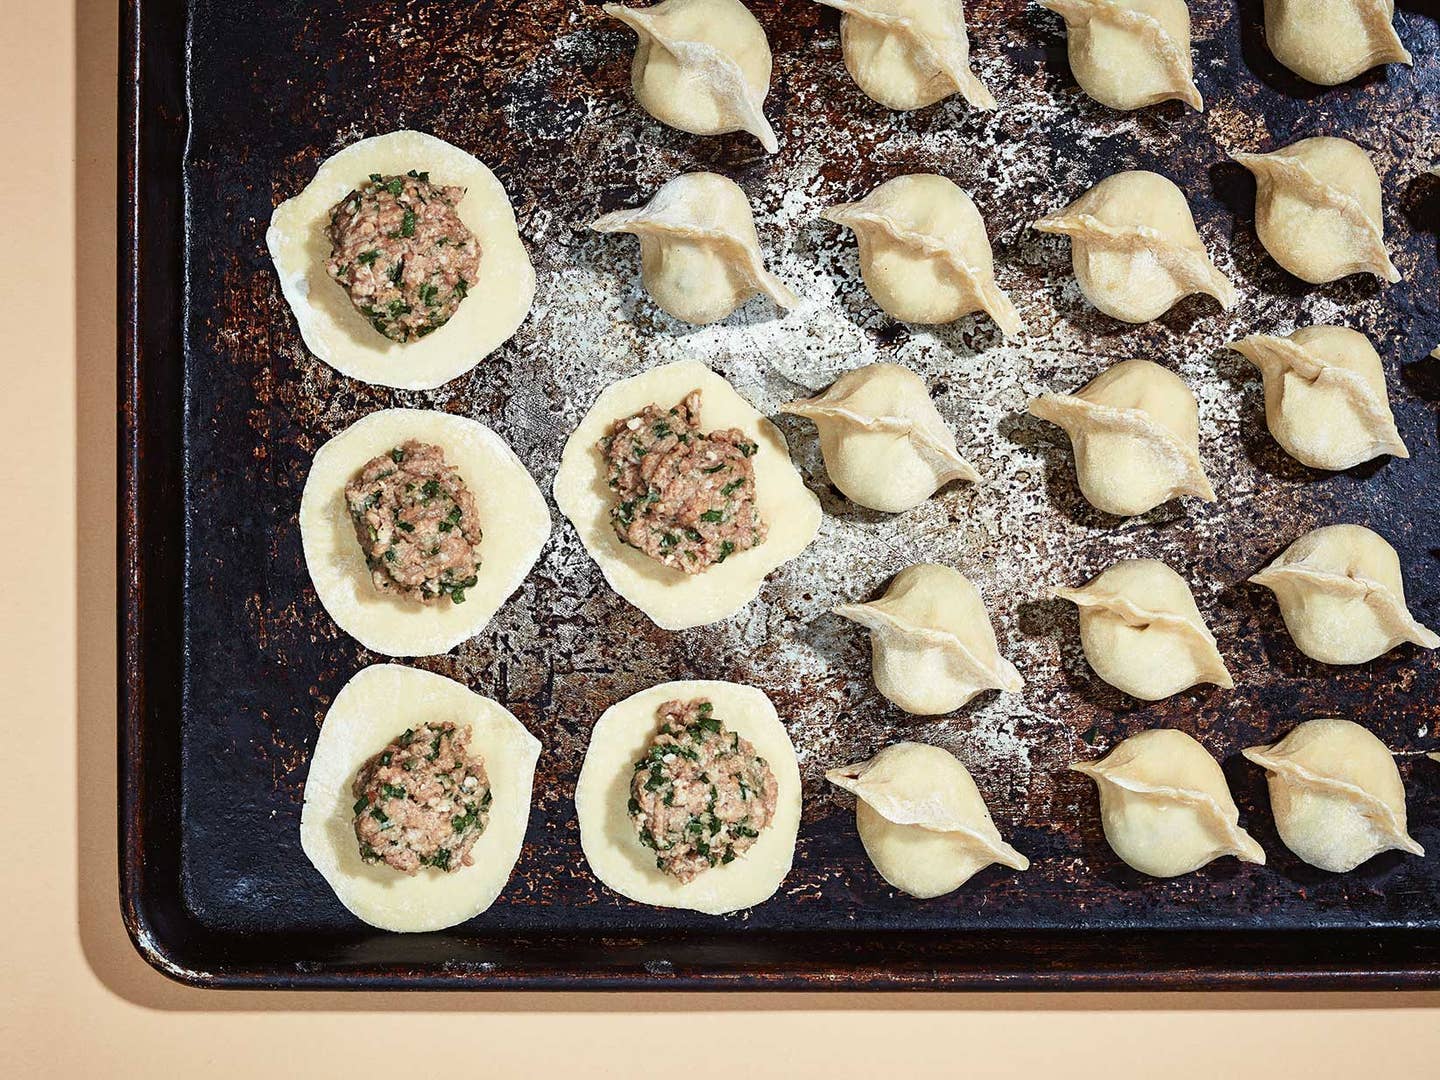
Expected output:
(422, 801)
(417, 524)
(685, 498)
(402, 253)
(701, 795)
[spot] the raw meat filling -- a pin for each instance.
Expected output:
(701, 795)
(685, 498)
(422, 801)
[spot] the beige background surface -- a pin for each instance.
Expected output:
(76, 1000)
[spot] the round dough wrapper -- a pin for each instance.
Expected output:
(371, 709)
(513, 517)
(671, 598)
(602, 794)
(336, 332)
(922, 820)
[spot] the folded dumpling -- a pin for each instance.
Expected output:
(699, 254)
(932, 646)
(1325, 396)
(1130, 53)
(1135, 249)
(701, 66)
(907, 54)
(924, 253)
(1342, 596)
(1317, 210)
(1336, 794)
(1143, 633)
(1165, 806)
(922, 820)
(1332, 41)
(1136, 433)
(884, 443)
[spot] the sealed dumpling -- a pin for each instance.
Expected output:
(701, 66)
(924, 253)
(1317, 210)
(417, 799)
(932, 646)
(1142, 632)
(401, 261)
(885, 444)
(699, 255)
(683, 494)
(1342, 596)
(416, 526)
(1325, 396)
(1135, 249)
(1332, 41)
(1335, 793)
(1165, 806)
(922, 820)
(1130, 53)
(907, 54)
(1135, 430)
(689, 797)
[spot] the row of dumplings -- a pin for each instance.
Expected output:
(1340, 590)
(1165, 806)
(925, 256)
(703, 66)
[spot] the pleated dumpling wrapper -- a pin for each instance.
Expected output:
(1331, 41)
(1128, 54)
(1135, 430)
(336, 331)
(1318, 212)
(513, 519)
(1134, 247)
(907, 54)
(924, 254)
(701, 66)
(884, 442)
(672, 598)
(1336, 794)
(373, 710)
(922, 820)
(1342, 596)
(932, 645)
(1165, 806)
(699, 255)
(622, 745)
(1142, 632)
(1325, 397)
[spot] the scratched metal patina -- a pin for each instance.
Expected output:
(540, 91)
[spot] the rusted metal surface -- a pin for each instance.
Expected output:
(540, 92)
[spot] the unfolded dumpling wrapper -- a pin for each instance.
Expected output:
(1317, 210)
(1135, 430)
(1143, 633)
(932, 646)
(1325, 396)
(1135, 249)
(699, 253)
(1336, 794)
(907, 54)
(1342, 596)
(922, 820)
(1165, 806)
(1332, 41)
(924, 254)
(1128, 54)
(884, 443)
(701, 66)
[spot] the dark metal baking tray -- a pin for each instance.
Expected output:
(228, 662)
